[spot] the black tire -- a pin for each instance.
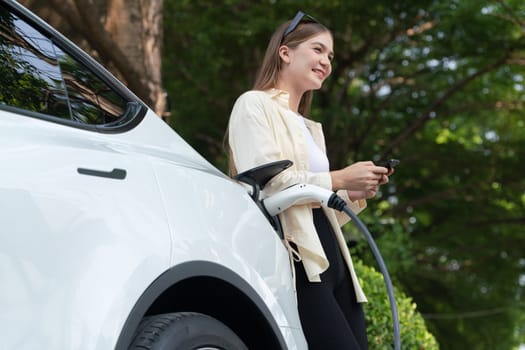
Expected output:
(185, 331)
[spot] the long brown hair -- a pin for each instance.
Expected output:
(268, 74)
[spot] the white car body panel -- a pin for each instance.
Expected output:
(56, 245)
(78, 252)
(68, 265)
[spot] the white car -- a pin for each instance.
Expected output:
(114, 232)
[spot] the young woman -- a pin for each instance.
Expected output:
(268, 124)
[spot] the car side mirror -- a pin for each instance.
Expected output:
(259, 176)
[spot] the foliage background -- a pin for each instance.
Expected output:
(437, 84)
(412, 328)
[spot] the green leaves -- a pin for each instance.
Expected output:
(414, 334)
(439, 85)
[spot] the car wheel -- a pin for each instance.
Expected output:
(185, 331)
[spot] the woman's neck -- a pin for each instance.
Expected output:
(294, 98)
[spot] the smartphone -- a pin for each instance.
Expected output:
(389, 164)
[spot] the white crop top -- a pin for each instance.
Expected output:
(317, 159)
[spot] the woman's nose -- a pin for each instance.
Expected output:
(325, 62)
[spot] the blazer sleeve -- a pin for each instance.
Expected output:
(253, 142)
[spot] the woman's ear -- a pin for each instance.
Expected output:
(284, 53)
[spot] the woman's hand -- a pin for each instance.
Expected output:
(384, 178)
(361, 179)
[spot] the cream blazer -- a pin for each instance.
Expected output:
(261, 132)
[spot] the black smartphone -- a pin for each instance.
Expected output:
(389, 164)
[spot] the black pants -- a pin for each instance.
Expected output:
(330, 316)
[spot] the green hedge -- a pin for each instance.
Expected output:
(414, 334)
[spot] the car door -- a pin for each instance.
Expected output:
(82, 227)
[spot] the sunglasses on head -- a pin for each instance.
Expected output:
(299, 18)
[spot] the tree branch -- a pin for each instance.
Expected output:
(426, 115)
(513, 16)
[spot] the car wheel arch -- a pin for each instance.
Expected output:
(212, 289)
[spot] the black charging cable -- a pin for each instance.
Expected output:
(337, 203)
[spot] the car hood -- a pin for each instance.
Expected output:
(153, 137)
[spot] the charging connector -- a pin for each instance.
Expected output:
(296, 194)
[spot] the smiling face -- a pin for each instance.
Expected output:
(306, 66)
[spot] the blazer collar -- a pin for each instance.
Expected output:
(280, 96)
